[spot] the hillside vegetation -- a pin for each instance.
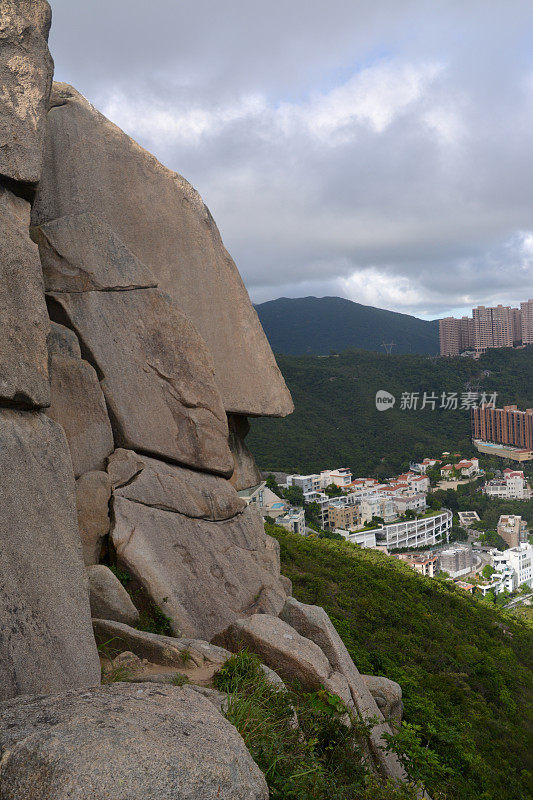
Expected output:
(464, 666)
(318, 325)
(336, 422)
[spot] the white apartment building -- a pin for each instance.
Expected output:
(513, 486)
(416, 532)
(341, 477)
(362, 538)
(519, 560)
(323, 500)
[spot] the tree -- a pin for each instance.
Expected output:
(488, 571)
(333, 490)
(294, 495)
(272, 484)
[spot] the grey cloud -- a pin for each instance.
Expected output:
(275, 113)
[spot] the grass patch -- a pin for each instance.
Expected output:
(321, 759)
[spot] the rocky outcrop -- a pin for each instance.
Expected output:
(164, 223)
(108, 598)
(23, 318)
(202, 573)
(245, 471)
(81, 253)
(93, 493)
(167, 651)
(388, 697)
(171, 488)
(313, 623)
(135, 740)
(78, 405)
(46, 641)
(63, 342)
(157, 377)
(26, 70)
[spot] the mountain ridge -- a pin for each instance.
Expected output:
(317, 325)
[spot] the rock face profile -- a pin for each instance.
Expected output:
(130, 360)
(91, 166)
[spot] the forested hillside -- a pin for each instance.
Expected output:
(464, 665)
(318, 325)
(336, 422)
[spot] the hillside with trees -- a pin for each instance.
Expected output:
(463, 664)
(336, 422)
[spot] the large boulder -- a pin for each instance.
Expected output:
(93, 493)
(156, 374)
(26, 70)
(388, 696)
(134, 741)
(78, 405)
(163, 221)
(293, 657)
(168, 651)
(313, 623)
(245, 472)
(203, 574)
(108, 598)
(23, 319)
(46, 640)
(81, 253)
(171, 488)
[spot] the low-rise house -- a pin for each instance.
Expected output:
(512, 486)
(468, 468)
(446, 472)
(466, 587)
(423, 466)
(424, 563)
(513, 529)
(293, 520)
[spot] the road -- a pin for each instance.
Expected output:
(516, 601)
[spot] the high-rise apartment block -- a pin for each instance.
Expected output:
(497, 326)
(505, 425)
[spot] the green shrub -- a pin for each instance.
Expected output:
(321, 758)
(464, 664)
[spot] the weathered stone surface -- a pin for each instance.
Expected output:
(78, 405)
(388, 696)
(46, 641)
(23, 318)
(156, 375)
(134, 741)
(93, 492)
(245, 473)
(108, 597)
(26, 70)
(202, 574)
(164, 222)
(80, 253)
(313, 623)
(291, 656)
(164, 650)
(63, 342)
(172, 488)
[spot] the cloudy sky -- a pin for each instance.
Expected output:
(380, 151)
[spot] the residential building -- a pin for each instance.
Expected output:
(322, 500)
(506, 451)
(455, 335)
(466, 587)
(362, 538)
(413, 533)
(526, 313)
(493, 327)
(293, 520)
(466, 518)
(456, 561)
(341, 477)
(307, 483)
(424, 563)
(507, 425)
(512, 529)
(512, 486)
(519, 560)
(343, 516)
(424, 465)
